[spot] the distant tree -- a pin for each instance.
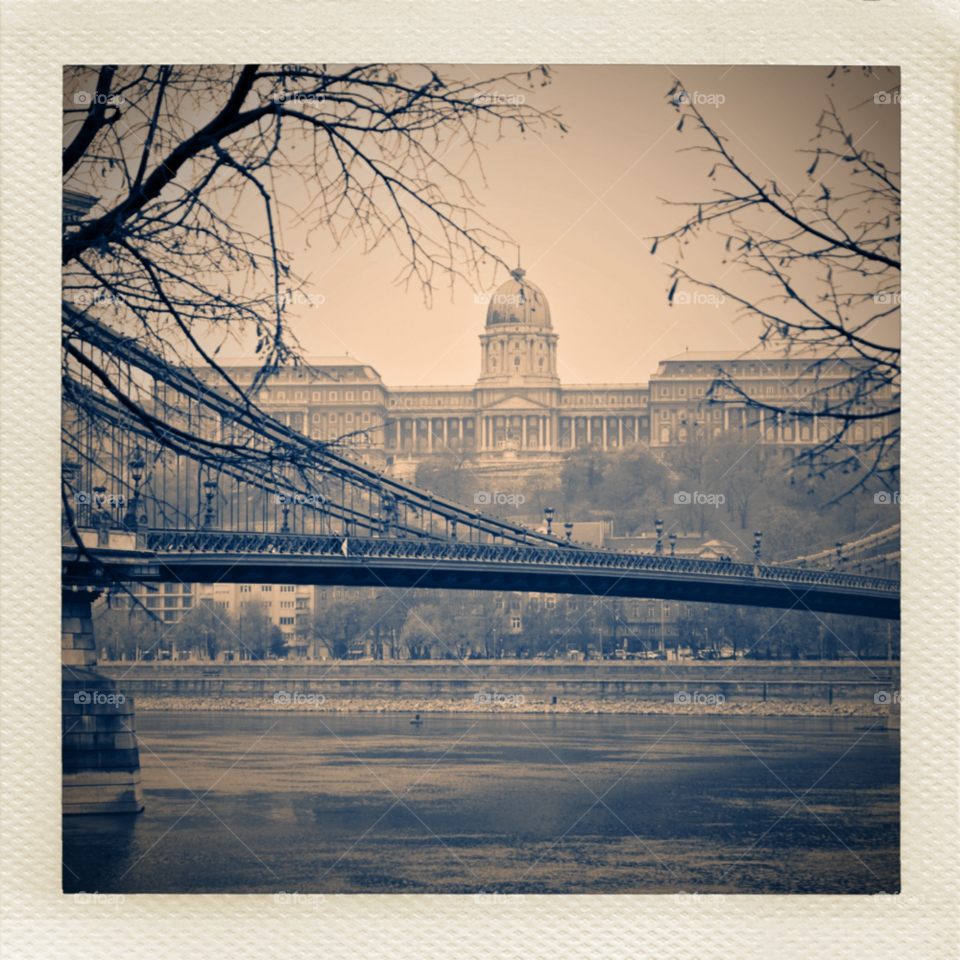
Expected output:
(828, 261)
(424, 629)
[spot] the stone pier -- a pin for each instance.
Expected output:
(101, 763)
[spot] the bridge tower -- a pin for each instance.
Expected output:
(101, 762)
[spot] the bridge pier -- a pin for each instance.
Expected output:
(101, 762)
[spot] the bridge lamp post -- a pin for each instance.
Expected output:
(210, 486)
(673, 544)
(101, 518)
(659, 547)
(757, 537)
(568, 530)
(839, 546)
(136, 466)
(548, 513)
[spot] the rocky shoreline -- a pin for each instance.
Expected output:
(568, 705)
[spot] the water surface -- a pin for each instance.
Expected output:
(368, 803)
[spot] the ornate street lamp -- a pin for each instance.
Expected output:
(659, 526)
(210, 486)
(568, 530)
(136, 466)
(548, 513)
(840, 557)
(673, 544)
(756, 545)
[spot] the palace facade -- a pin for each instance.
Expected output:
(518, 408)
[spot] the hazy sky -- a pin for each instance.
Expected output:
(583, 206)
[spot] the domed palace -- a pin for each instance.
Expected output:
(518, 410)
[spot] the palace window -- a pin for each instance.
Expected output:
(333, 395)
(664, 391)
(366, 418)
(298, 395)
(281, 394)
(681, 391)
(317, 417)
(365, 395)
(317, 395)
(349, 395)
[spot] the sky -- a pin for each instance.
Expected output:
(583, 207)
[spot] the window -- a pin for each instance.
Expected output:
(266, 589)
(664, 391)
(268, 604)
(664, 414)
(286, 604)
(169, 601)
(349, 418)
(699, 391)
(366, 418)
(298, 395)
(628, 400)
(287, 621)
(771, 389)
(349, 395)
(717, 414)
(515, 623)
(317, 395)
(365, 395)
(287, 589)
(220, 604)
(281, 394)
(317, 417)
(245, 588)
(333, 395)
(170, 587)
(681, 391)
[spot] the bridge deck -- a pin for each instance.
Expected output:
(224, 557)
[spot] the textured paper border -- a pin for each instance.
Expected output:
(39, 37)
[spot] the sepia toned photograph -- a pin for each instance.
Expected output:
(481, 480)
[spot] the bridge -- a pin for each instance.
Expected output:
(168, 477)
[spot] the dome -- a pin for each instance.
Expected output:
(518, 301)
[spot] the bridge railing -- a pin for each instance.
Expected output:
(203, 542)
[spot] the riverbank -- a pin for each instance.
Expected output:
(698, 704)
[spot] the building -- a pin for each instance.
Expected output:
(518, 408)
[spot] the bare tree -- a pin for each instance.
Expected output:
(828, 259)
(179, 180)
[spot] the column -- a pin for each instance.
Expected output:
(620, 433)
(413, 435)
(763, 438)
(446, 432)
(589, 430)
(430, 433)
(604, 432)
(553, 431)
(540, 431)
(523, 432)
(726, 419)
(636, 430)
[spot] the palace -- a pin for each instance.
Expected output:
(519, 411)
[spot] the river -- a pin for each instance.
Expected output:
(368, 803)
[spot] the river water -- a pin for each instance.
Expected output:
(368, 803)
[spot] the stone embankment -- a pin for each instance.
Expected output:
(299, 703)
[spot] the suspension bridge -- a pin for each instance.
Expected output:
(170, 477)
